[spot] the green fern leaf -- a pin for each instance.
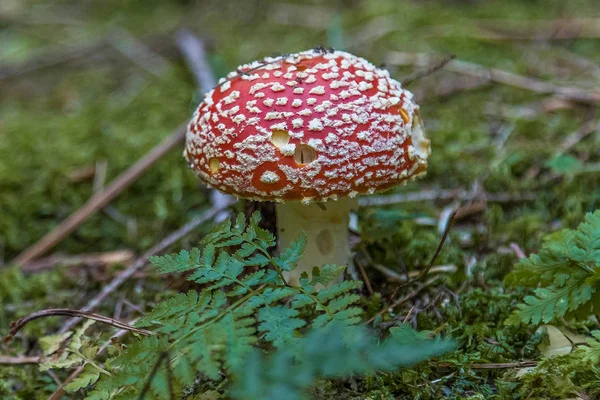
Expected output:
(279, 323)
(592, 353)
(548, 305)
(289, 257)
(566, 273)
(88, 377)
(215, 330)
(181, 262)
(325, 353)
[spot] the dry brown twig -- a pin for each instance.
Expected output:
(395, 276)
(101, 199)
(404, 299)
(192, 49)
(428, 70)
(21, 360)
(359, 261)
(142, 261)
(137, 51)
(530, 111)
(17, 325)
(588, 127)
(519, 364)
(499, 76)
(442, 194)
(549, 29)
(107, 258)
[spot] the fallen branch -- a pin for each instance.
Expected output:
(404, 299)
(442, 194)
(86, 54)
(499, 76)
(437, 251)
(519, 364)
(22, 360)
(360, 263)
(395, 276)
(590, 126)
(137, 51)
(428, 71)
(143, 260)
(193, 52)
(51, 58)
(107, 258)
(101, 199)
(17, 325)
(540, 29)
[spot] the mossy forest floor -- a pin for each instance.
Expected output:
(77, 101)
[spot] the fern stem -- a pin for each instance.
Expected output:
(91, 362)
(216, 318)
(316, 300)
(274, 264)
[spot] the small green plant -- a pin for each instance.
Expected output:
(245, 308)
(565, 275)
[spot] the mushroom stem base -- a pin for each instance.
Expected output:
(326, 230)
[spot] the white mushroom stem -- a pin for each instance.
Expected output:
(326, 230)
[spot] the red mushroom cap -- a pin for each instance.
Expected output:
(312, 126)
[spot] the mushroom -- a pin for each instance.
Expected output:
(310, 131)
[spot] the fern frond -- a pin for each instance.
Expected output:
(567, 271)
(176, 263)
(288, 259)
(592, 353)
(548, 305)
(214, 330)
(331, 352)
(88, 377)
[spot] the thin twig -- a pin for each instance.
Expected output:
(143, 260)
(415, 76)
(542, 29)
(17, 325)
(107, 258)
(101, 199)
(590, 126)
(53, 56)
(7, 360)
(50, 58)
(517, 249)
(403, 300)
(500, 76)
(437, 252)
(194, 54)
(442, 194)
(395, 276)
(137, 51)
(358, 261)
(519, 364)
(146, 387)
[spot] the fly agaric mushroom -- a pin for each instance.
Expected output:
(305, 129)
